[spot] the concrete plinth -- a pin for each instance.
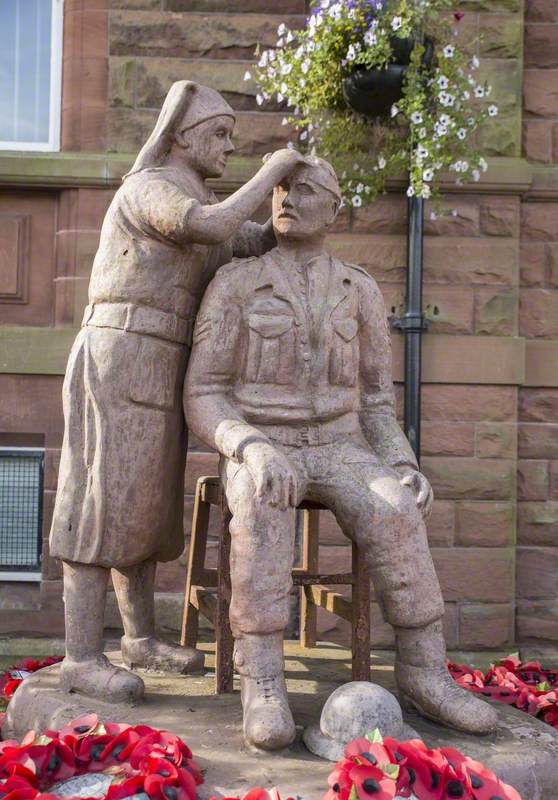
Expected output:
(523, 751)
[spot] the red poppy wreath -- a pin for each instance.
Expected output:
(13, 677)
(525, 685)
(134, 759)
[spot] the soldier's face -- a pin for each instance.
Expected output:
(208, 146)
(301, 208)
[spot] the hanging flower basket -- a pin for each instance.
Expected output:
(357, 60)
(373, 92)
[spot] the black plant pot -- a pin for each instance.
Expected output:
(372, 92)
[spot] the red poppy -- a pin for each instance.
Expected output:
(126, 788)
(89, 751)
(371, 783)
(161, 742)
(458, 15)
(17, 788)
(119, 748)
(339, 781)
(262, 794)
(368, 752)
(485, 785)
(422, 770)
(80, 727)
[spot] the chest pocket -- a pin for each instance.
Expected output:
(271, 349)
(343, 360)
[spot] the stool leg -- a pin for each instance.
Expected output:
(361, 618)
(224, 642)
(310, 560)
(196, 565)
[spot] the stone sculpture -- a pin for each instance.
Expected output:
(290, 379)
(121, 484)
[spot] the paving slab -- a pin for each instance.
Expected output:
(523, 751)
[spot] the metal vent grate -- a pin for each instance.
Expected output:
(21, 490)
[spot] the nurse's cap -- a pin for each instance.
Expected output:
(186, 105)
(319, 171)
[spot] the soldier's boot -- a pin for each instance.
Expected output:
(268, 722)
(85, 669)
(135, 592)
(426, 686)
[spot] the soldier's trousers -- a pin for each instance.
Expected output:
(371, 507)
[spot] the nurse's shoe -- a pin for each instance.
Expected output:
(149, 653)
(99, 678)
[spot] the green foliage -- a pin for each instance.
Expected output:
(429, 131)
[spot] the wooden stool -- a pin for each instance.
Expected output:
(208, 591)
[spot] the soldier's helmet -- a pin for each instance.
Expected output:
(319, 171)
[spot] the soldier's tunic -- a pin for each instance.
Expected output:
(121, 480)
(300, 356)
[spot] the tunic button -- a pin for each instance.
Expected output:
(306, 356)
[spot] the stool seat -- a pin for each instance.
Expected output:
(208, 590)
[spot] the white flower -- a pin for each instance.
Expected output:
(271, 72)
(416, 117)
(299, 52)
(263, 59)
(286, 68)
(394, 110)
(422, 152)
(290, 146)
(483, 164)
(284, 88)
(279, 43)
(282, 29)
(259, 99)
(466, 95)
(381, 162)
(410, 191)
(449, 50)
(280, 97)
(310, 47)
(284, 121)
(271, 55)
(357, 201)
(461, 133)
(247, 76)
(351, 53)
(492, 110)
(479, 91)
(443, 82)
(303, 135)
(428, 175)
(474, 62)
(444, 119)
(335, 11)
(305, 66)
(290, 37)
(425, 191)
(396, 23)
(433, 216)
(422, 133)
(470, 121)
(370, 38)
(476, 175)
(302, 83)
(360, 188)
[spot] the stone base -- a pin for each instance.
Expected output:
(523, 751)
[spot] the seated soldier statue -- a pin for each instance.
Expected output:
(290, 379)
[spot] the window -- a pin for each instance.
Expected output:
(21, 499)
(30, 74)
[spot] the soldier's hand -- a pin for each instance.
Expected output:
(422, 490)
(272, 474)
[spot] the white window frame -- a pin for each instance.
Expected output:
(56, 38)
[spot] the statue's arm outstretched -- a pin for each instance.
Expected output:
(377, 412)
(212, 370)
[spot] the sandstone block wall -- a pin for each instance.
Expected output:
(490, 394)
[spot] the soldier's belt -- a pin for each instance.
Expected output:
(140, 319)
(304, 435)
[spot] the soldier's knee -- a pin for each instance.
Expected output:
(412, 607)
